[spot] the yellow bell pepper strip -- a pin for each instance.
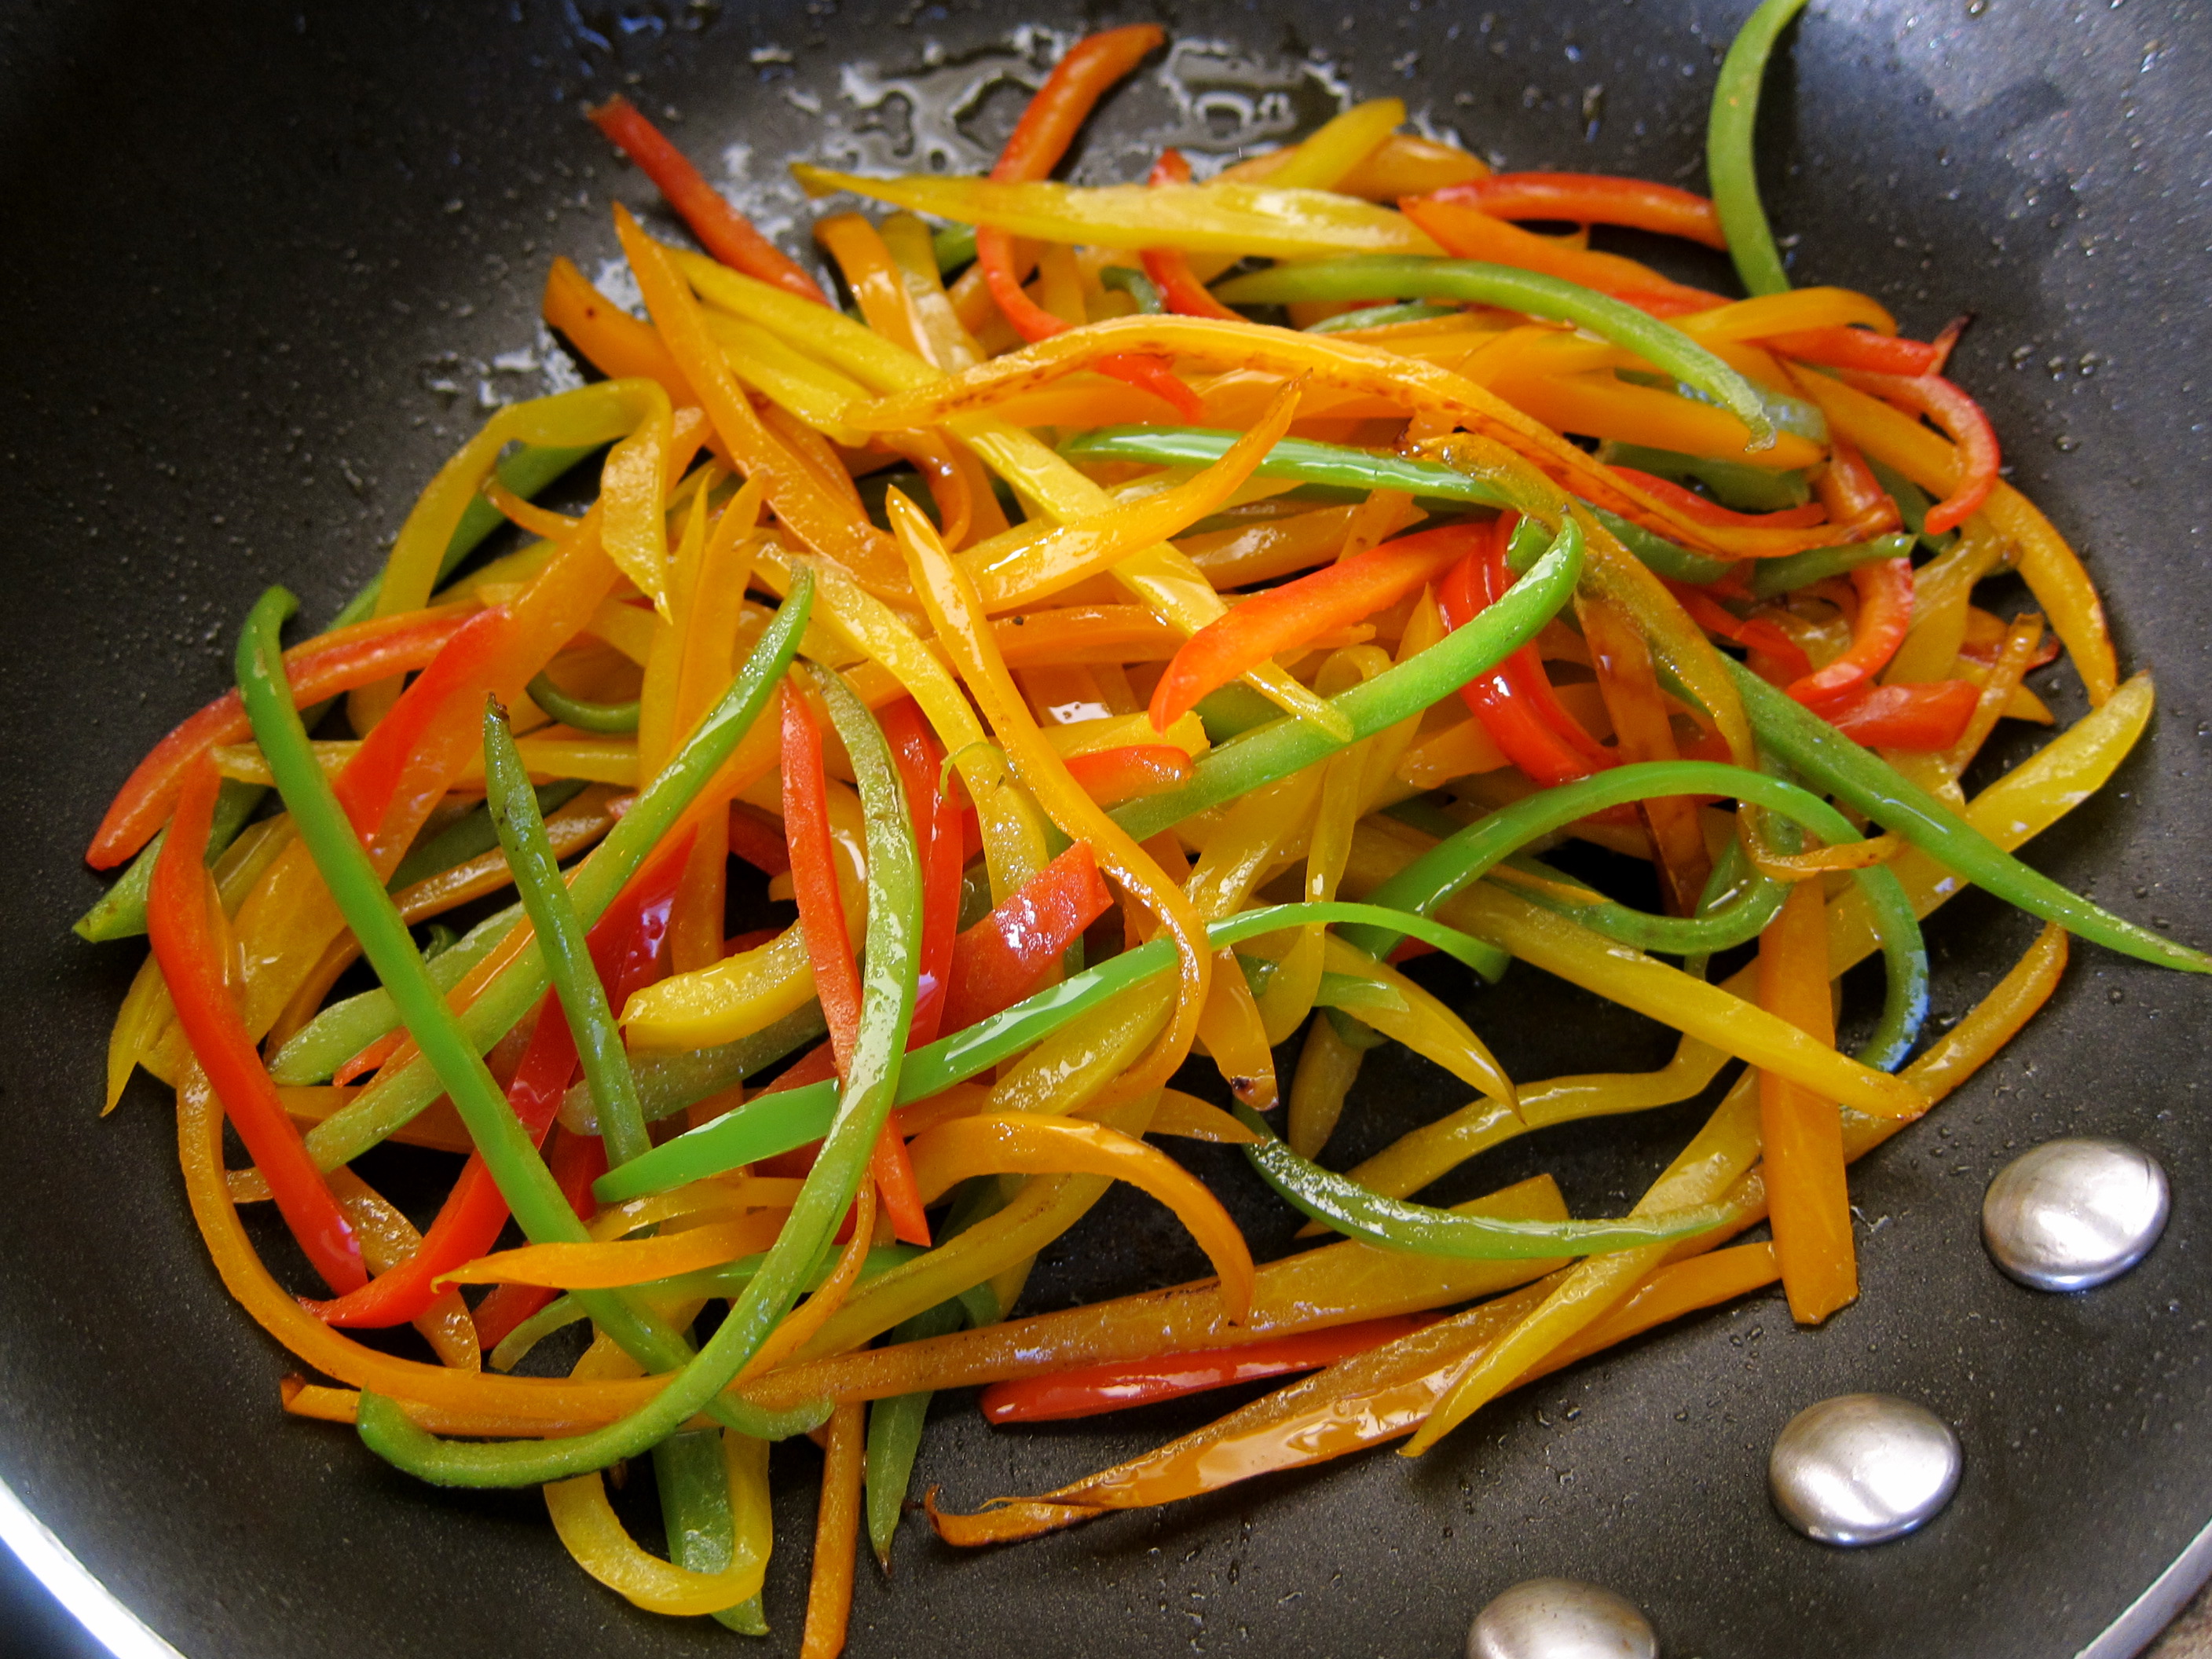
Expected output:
(2050, 568)
(611, 1264)
(1729, 158)
(833, 528)
(181, 921)
(1236, 1036)
(1536, 295)
(1406, 164)
(1258, 757)
(956, 613)
(1817, 751)
(1022, 1143)
(1394, 1223)
(944, 342)
(1590, 199)
(1285, 618)
(1190, 1118)
(1233, 218)
(1393, 1004)
(1463, 229)
(836, 1539)
(1802, 1134)
(795, 383)
(1328, 1067)
(1175, 285)
(1338, 1284)
(2022, 640)
(594, 1536)
(721, 229)
(515, 985)
(1067, 1072)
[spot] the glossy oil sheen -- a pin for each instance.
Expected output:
(236, 242)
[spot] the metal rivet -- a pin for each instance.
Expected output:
(2072, 1213)
(1862, 1468)
(1560, 1618)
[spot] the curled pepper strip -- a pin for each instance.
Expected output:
(186, 944)
(1885, 591)
(1964, 424)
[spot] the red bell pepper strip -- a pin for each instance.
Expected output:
(1005, 957)
(1498, 699)
(625, 945)
(1753, 633)
(1947, 338)
(1525, 669)
(366, 788)
(1858, 348)
(1592, 198)
(1694, 505)
(814, 874)
(1961, 420)
(1040, 138)
(1885, 591)
(920, 762)
(721, 229)
(575, 1162)
(757, 844)
(1923, 718)
(1170, 267)
(340, 660)
(1111, 776)
(184, 944)
(1117, 1385)
(1281, 618)
(1858, 505)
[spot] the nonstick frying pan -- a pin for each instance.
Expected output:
(260, 264)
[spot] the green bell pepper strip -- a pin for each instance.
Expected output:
(1139, 286)
(1736, 484)
(1729, 160)
(1379, 316)
(1342, 1205)
(120, 912)
(1451, 865)
(361, 1122)
(792, 1117)
(608, 717)
(667, 1084)
(887, 995)
(469, 837)
(1233, 709)
(1817, 751)
(954, 247)
(1769, 577)
(1740, 909)
(1417, 277)
(894, 1428)
(1283, 746)
(1912, 506)
(342, 1031)
(1340, 465)
(576, 981)
(692, 1478)
(1675, 563)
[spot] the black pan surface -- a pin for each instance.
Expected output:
(257, 259)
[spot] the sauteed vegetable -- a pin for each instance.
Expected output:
(1127, 626)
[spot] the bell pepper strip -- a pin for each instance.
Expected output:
(1169, 268)
(1302, 459)
(1139, 286)
(920, 762)
(895, 1427)
(956, 612)
(603, 717)
(1643, 730)
(1729, 148)
(361, 654)
(186, 944)
(1772, 577)
(1925, 719)
(1396, 1223)
(1801, 1134)
(894, 925)
(2021, 642)
(1384, 316)
(774, 1123)
(1466, 231)
(613, 1263)
(1028, 1143)
(1591, 198)
(713, 1489)
(1885, 592)
(1266, 752)
(1397, 277)
(1283, 618)
(1962, 420)
(721, 229)
(1111, 776)
(836, 1539)
(1816, 750)
(1089, 1390)
(1002, 959)
(615, 343)
(1695, 507)
(595, 1537)
(814, 876)
(1858, 349)
(1523, 721)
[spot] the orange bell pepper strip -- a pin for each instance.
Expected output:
(1839, 347)
(1857, 504)
(1089, 1390)
(1028, 1142)
(1801, 1134)
(836, 1536)
(1006, 956)
(721, 229)
(1924, 719)
(1642, 730)
(1170, 267)
(1465, 232)
(1592, 198)
(616, 343)
(1962, 420)
(1282, 618)
(1040, 138)
(342, 660)
(1885, 591)
(1111, 776)
(187, 944)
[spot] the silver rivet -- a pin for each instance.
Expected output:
(1862, 1468)
(1560, 1618)
(2073, 1213)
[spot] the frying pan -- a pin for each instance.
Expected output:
(259, 261)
